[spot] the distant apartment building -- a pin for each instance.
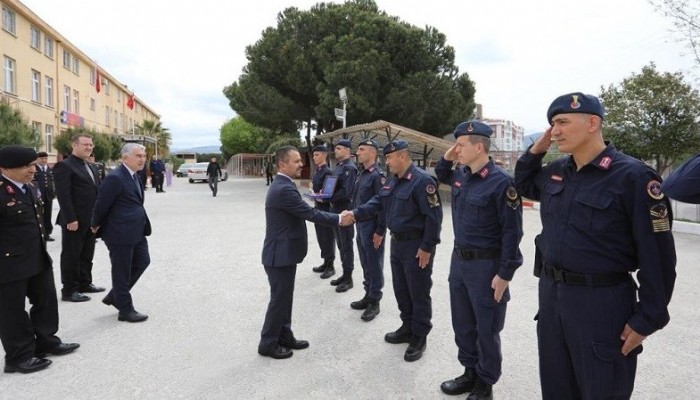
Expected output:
(56, 86)
(507, 136)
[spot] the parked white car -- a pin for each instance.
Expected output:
(198, 172)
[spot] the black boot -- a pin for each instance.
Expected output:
(461, 384)
(401, 335)
(360, 304)
(339, 280)
(345, 285)
(482, 391)
(371, 311)
(321, 267)
(415, 348)
(330, 271)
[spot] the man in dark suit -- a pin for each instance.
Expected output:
(157, 174)
(44, 181)
(25, 269)
(77, 182)
(121, 221)
(285, 246)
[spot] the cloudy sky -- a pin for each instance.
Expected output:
(177, 57)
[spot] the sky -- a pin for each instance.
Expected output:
(177, 57)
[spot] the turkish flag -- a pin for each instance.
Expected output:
(98, 83)
(130, 102)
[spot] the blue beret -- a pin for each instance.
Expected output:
(473, 127)
(575, 103)
(369, 142)
(394, 146)
(15, 156)
(344, 142)
(320, 147)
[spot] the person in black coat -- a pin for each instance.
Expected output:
(25, 269)
(213, 175)
(77, 182)
(285, 245)
(120, 219)
(157, 174)
(44, 181)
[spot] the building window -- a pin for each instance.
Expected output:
(76, 65)
(36, 86)
(9, 69)
(107, 115)
(92, 76)
(119, 95)
(116, 119)
(66, 59)
(48, 47)
(49, 138)
(76, 102)
(8, 20)
(93, 104)
(48, 94)
(36, 38)
(106, 85)
(66, 98)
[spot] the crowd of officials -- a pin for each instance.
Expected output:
(604, 216)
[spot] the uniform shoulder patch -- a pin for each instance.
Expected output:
(512, 198)
(430, 188)
(654, 190)
(433, 199)
(659, 218)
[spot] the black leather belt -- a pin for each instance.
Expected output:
(572, 278)
(406, 236)
(466, 254)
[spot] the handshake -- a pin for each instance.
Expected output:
(347, 218)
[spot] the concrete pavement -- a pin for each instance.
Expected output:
(206, 295)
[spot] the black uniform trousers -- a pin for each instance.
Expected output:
(128, 264)
(344, 236)
(278, 319)
(48, 209)
(24, 334)
(578, 334)
(325, 235)
(78, 249)
(157, 181)
(412, 285)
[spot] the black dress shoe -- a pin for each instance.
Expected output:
(61, 349)
(293, 343)
(481, 391)
(461, 384)
(345, 285)
(133, 316)
(109, 301)
(275, 351)
(401, 335)
(75, 297)
(415, 349)
(91, 289)
(32, 365)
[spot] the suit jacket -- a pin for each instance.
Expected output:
(76, 191)
(119, 209)
(285, 231)
(22, 246)
(44, 181)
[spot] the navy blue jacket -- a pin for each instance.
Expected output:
(346, 171)
(285, 230)
(684, 183)
(487, 212)
(319, 176)
(119, 209)
(411, 203)
(157, 167)
(368, 184)
(610, 216)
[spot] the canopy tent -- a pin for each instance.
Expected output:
(424, 147)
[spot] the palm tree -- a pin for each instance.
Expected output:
(159, 133)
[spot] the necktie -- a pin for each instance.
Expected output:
(90, 172)
(137, 183)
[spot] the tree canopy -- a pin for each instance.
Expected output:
(106, 147)
(390, 69)
(685, 15)
(653, 116)
(15, 130)
(157, 131)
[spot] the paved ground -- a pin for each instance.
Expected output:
(206, 294)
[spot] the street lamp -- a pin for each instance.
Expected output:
(342, 114)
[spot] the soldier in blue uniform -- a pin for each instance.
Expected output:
(25, 269)
(346, 171)
(413, 210)
(487, 217)
(684, 183)
(370, 233)
(325, 235)
(603, 216)
(44, 181)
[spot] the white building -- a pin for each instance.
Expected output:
(507, 136)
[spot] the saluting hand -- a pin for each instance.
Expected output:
(451, 153)
(542, 144)
(499, 286)
(423, 258)
(631, 339)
